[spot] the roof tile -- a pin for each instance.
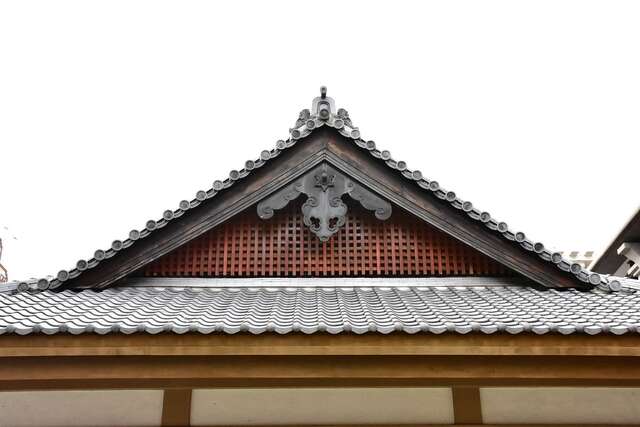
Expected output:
(490, 308)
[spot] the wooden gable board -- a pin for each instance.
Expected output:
(324, 145)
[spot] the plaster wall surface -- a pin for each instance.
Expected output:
(570, 405)
(321, 406)
(93, 408)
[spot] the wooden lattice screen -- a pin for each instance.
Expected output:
(282, 246)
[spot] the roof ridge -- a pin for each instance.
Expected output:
(323, 113)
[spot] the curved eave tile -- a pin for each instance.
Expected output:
(509, 309)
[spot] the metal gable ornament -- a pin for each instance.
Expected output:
(324, 211)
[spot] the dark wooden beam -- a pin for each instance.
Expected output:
(467, 408)
(176, 407)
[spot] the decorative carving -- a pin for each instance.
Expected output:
(370, 201)
(324, 211)
(279, 200)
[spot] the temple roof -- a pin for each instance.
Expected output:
(324, 115)
(333, 305)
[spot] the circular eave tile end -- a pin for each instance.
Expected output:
(81, 265)
(615, 285)
(264, 155)
(168, 214)
(576, 268)
(62, 275)
(43, 284)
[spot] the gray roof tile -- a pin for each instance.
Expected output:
(419, 305)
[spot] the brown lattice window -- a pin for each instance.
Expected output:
(282, 246)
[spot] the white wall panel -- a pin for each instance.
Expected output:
(321, 405)
(577, 405)
(81, 408)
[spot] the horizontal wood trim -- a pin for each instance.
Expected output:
(321, 371)
(194, 344)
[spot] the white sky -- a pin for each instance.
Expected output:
(112, 112)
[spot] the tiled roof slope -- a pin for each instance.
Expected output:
(259, 306)
(307, 122)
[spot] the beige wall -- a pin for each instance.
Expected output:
(321, 405)
(570, 405)
(394, 405)
(81, 408)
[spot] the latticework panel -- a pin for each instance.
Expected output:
(283, 246)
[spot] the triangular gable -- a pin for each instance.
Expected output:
(326, 136)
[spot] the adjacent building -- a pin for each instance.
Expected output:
(622, 256)
(322, 283)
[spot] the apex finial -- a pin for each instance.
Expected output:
(323, 106)
(324, 113)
